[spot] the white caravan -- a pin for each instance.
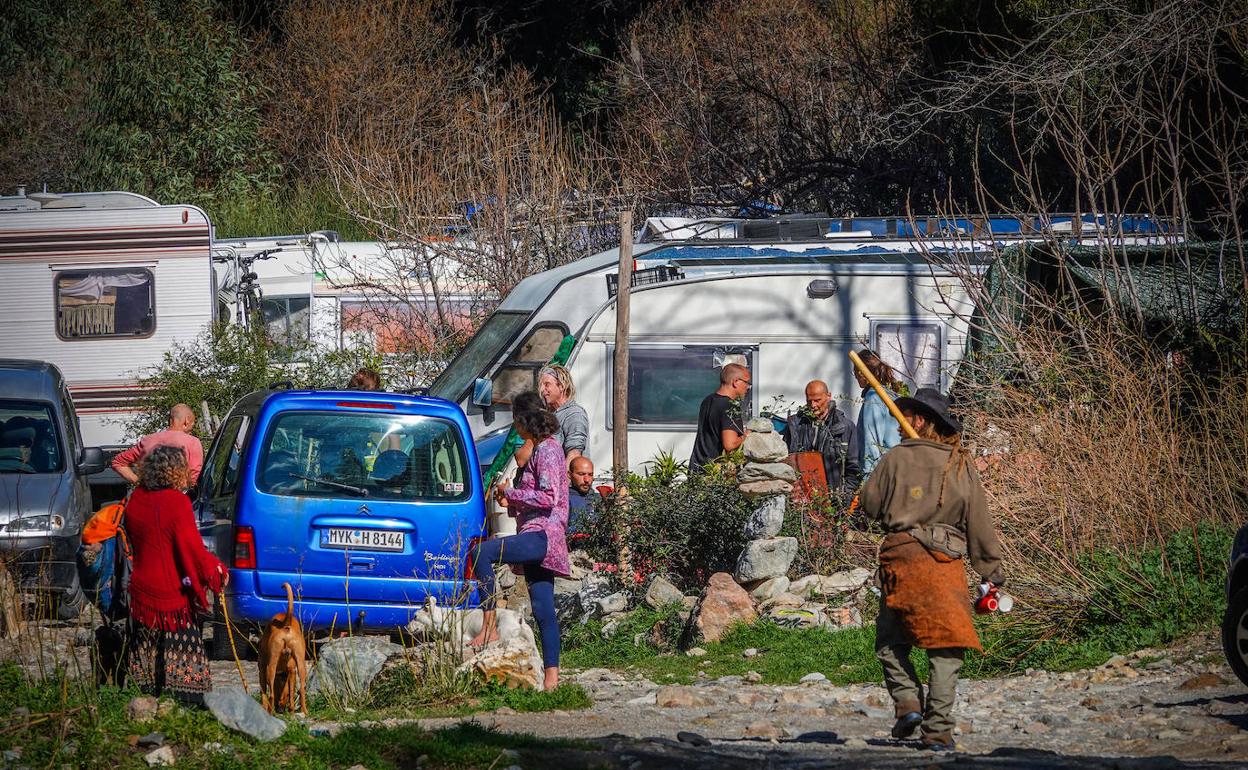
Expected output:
(101, 284)
(788, 297)
(337, 294)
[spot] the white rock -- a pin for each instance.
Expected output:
(769, 588)
(764, 447)
(763, 559)
(812, 677)
(661, 592)
(767, 518)
(616, 602)
(695, 652)
(161, 757)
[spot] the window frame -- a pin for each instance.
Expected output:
(262, 456)
(287, 343)
(64, 461)
(750, 349)
(918, 322)
(212, 491)
(56, 302)
(509, 361)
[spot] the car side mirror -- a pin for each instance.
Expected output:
(483, 393)
(92, 461)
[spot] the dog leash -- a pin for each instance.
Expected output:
(229, 632)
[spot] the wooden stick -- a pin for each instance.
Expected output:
(619, 387)
(906, 427)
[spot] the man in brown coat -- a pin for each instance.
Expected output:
(928, 496)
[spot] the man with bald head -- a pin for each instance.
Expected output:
(178, 434)
(582, 496)
(820, 427)
(721, 418)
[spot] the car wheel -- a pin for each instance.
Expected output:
(218, 648)
(1235, 633)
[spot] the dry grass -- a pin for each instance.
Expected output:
(1113, 449)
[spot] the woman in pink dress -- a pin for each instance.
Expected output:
(540, 501)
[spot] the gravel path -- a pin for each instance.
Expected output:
(1180, 707)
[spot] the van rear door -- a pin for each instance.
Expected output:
(365, 503)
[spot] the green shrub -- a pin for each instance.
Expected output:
(1145, 599)
(684, 529)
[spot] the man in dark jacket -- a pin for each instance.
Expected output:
(821, 427)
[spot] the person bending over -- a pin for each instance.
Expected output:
(540, 548)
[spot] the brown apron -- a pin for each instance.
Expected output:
(927, 590)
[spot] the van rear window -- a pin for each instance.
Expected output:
(28, 438)
(365, 456)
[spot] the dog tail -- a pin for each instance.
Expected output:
(290, 604)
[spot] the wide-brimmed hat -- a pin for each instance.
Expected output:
(932, 404)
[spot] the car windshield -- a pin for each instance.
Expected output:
(481, 351)
(28, 440)
(366, 456)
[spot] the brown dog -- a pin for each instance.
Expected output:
(282, 659)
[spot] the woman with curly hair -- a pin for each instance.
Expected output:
(172, 569)
(540, 548)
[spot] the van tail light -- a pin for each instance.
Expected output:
(470, 569)
(244, 548)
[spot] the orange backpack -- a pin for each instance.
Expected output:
(104, 524)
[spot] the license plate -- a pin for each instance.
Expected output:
(362, 539)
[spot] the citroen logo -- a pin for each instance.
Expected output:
(363, 510)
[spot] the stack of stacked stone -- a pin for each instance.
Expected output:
(766, 478)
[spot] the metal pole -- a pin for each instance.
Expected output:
(619, 389)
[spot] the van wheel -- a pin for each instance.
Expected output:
(1235, 633)
(70, 604)
(218, 648)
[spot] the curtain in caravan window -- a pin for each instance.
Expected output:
(95, 284)
(104, 303)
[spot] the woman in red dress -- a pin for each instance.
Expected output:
(172, 569)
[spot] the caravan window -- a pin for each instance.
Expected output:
(287, 320)
(666, 384)
(526, 361)
(118, 302)
(912, 350)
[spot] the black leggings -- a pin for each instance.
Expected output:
(527, 549)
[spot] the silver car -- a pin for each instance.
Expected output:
(44, 495)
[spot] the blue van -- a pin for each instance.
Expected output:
(365, 502)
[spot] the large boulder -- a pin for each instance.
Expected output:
(239, 711)
(594, 587)
(760, 425)
(764, 447)
(723, 604)
(661, 593)
(763, 559)
(767, 518)
(765, 488)
(346, 667)
(766, 471)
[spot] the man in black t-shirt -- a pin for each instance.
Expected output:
(720, 420)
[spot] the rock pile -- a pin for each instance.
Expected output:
(761, 573)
